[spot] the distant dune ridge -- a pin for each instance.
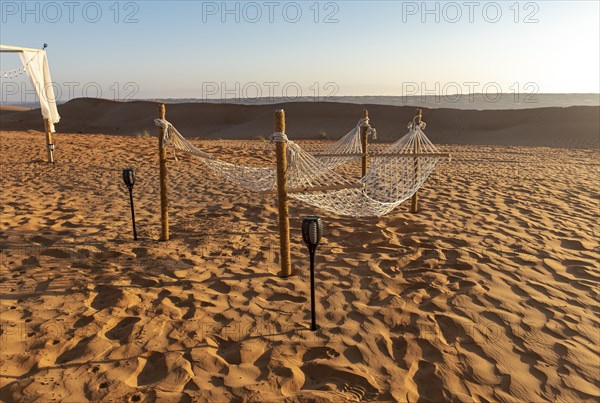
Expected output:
(571, 127)
(8, 109)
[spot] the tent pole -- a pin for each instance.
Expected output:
(162, 161)
(282, 197)
(49, 145)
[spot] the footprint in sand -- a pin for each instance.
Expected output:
(84, 321)
(189, 303)
(356, 392)
(450, 330)
(76, 352)
(389, 265)
(154, 370)
(123, 329)
(318, 353)
(399, 349)
(140, 252)
(42, 240)
(573, 244)
(229, 350)
(207, 304)
(220, 287)
(285, 297)
(42, 286)
(319, 375)
(143, 282)
(353, 355)
(86, 349)
(108, 296)
(429, 383)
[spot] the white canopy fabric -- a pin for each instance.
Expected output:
(35, 62)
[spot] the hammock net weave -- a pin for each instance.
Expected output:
(392, 177)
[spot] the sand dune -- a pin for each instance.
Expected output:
(8, 109)
(13, 108)
(488, 294)
(573, 127)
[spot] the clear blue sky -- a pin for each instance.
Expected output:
(189, 48)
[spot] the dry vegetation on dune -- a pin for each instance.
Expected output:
(488, 294)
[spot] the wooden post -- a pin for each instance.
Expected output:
(414, 206)
(162, 161)
(365, 142)
(282, 197)
(49, 151)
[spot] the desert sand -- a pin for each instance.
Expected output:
(489, 293)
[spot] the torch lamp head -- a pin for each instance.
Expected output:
(129, 177)
(312, 231)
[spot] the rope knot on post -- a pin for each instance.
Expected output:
(163, 124)
(279, 137)
(369, 130)
(421, 125)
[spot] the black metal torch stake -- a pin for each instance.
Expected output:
(312, 230)
(132, 213)
(129, 179)
(313, 323)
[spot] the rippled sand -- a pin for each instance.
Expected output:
(488, 294)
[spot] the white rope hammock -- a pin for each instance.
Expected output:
(341, 152)
(346, 149)
(390, 179)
